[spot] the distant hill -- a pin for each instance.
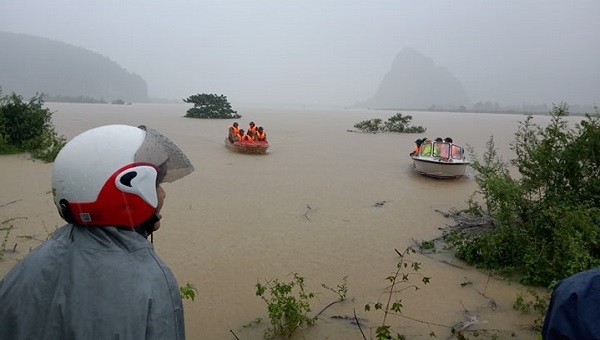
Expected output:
(415, 82)
(30, 64)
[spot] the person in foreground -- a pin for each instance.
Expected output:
(98, 277)
(574, 309)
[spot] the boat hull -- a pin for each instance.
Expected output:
(247, 147)
(438, 168)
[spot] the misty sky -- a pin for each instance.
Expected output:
(331, 53)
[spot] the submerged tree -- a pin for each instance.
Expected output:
(397, 123)
(210, 106)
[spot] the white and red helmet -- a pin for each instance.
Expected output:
(107, 176)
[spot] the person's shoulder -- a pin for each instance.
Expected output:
(585, 279)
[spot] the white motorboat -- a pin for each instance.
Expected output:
(440, 159)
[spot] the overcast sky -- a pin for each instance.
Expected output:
(331, 52)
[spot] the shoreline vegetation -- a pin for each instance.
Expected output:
(575, 110)
(480, 107)
(543, 110)
(83, 100)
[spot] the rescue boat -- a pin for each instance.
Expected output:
(440, 160)
(253, 147)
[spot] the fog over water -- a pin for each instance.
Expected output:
(331, 53)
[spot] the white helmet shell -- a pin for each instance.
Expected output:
(108, 175)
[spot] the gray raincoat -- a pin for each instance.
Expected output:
(91, 283)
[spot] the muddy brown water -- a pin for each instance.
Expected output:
(323, 202)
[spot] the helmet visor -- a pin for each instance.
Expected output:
(159, 150)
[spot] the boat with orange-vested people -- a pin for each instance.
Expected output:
(440, 159)
(245, 146)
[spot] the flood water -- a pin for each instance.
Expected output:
(323, 202)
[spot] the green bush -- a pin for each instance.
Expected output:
(189, 291)
(27, 127)
(287, 305)
(391, 303)
(401, 124)
(210, 106)
(372, 125)
(546, 221)
(397, 123)
(46, 146)
(6, 148)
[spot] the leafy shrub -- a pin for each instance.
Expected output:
(287, 305)
(397, 123)
(372, 125)
(210, 106)
(27, 126)
(22, 121)
(533, 303)
(341, 290)
(188, 292)
(6, 231)
(6, 148)
(400, 281)
(546, 222)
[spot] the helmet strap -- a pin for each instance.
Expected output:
(146, 228)
(65, 211)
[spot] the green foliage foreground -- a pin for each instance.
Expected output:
(546, 221)
(392, 304)
(27, 127)
(210, 106)
(287, 305)
(188, 292)
(397, 123)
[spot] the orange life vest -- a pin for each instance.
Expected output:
(239, 136)
(261, 136)
(248, 138)
(233, 133)
(252, 128)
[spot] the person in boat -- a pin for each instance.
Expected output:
(444, 151)
(261, 135)
(425, 148)
(437, 150)
(574, 308)
(456, 151)
(233, 131)
(252, 127)
(418, 144)
(443, 148)
(249, 136)
(240, 135)
(98, 276)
